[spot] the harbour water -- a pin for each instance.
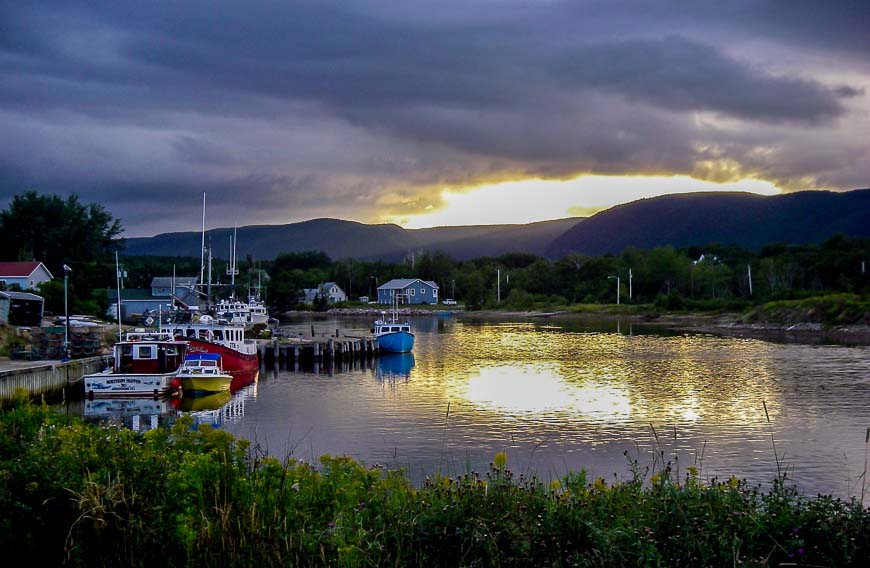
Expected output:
(558, 395)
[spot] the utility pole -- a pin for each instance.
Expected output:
(498, 286)
(749, 274)
(629, 284)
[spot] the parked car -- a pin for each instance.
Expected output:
(449, 302)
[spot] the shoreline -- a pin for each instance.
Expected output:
(726, 324)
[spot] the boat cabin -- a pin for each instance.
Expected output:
(390, 327)
(202, 364)
(148, 356)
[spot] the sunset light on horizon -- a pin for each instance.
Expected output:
(533, 200)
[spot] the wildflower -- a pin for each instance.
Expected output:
(330, 525)
(555, 485)
(500, 460)
(800, 550)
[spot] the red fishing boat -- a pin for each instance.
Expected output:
(209, 335)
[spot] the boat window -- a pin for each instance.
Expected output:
(145, 352)
(218, 334)
(191, 333)
(203, 334)
(171, 351)
(126, 350)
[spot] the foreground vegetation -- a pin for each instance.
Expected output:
(79, 494)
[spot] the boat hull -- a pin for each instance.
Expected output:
(234, 362)
(396, 342)
(108, 384)
(200, 384)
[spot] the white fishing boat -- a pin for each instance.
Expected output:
(143, 364)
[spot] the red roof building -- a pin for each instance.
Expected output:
(27, 275)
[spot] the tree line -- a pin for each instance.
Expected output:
(698, 276)
(61, 231)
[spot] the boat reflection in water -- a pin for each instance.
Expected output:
(139, 414)
(218, 408)
(143, 414)
(394, 366)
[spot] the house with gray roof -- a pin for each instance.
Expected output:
(329, 290)
(408, 291)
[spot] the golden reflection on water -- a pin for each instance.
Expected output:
(543, 389)
(521, 369)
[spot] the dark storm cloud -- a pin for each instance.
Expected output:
(323, 106)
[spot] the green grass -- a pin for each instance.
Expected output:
(829, 310)
(96, 495)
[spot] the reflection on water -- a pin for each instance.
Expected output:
(542, 388)
(560, 395)
(143, 414)
(394, 366)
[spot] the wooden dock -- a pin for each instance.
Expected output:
(289, 352)
(47, 376)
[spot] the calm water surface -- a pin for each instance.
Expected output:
(560, 395)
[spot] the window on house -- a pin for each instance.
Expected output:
(413, 291)
(422, 291)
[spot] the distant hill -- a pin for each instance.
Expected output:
(744, 219)
(348, 239)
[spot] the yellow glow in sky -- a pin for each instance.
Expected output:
(533, 200)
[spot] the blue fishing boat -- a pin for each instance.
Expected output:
(392, 335)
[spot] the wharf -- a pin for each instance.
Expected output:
(287, 352)
(38, 377)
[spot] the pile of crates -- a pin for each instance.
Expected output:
(48, 342)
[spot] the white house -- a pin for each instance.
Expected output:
(329, 290)
(27, 275)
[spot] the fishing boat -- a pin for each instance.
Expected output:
(207, 334)
(393, 336)
(143, 364)
(201, 373)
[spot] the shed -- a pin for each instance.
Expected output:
(21, 309)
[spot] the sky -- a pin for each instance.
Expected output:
(426, 113)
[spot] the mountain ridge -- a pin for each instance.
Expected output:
(741, 218)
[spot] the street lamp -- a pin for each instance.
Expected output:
(617, 288)
(66, 271)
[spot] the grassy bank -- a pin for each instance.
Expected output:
(103, 495)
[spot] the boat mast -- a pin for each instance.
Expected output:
(208, 298)
(202, 248)
(118, 278)
(232, 269)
